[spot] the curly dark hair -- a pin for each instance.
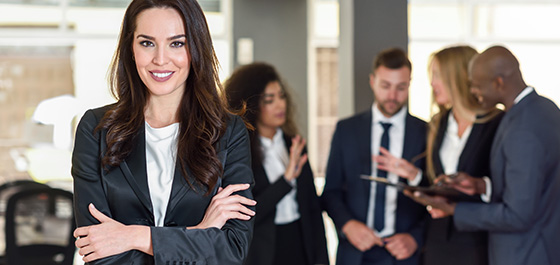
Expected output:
(244, 90)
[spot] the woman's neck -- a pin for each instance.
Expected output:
(266, 131)
(463, 122)
(159, 114)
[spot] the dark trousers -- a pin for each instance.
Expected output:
(289, 245)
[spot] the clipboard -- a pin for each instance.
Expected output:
(450, 193)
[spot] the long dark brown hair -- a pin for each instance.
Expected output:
(244, 90)
(202, 112)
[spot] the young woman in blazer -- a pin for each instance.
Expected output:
(459, 140)
(162, 176)
(288, 226)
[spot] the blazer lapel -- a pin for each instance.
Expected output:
(363, 141)
(509, 115)
(134, 170)
(438, 167)
(180, 188)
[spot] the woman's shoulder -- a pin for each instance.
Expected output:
(235, 127)
(92, 118)
(490, 118)
(96, 114)
(234, 122)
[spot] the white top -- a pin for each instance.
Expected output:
(275, 161)
(396, 141)
(452, 145)
(451, 149)
(161, 154)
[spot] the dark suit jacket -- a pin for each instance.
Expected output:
(122, 194)
(444, 244)
(262, 250)
(523, 219)
(346, 195)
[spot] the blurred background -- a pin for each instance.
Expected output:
(54, 56)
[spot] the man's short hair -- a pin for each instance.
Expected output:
(392, 58)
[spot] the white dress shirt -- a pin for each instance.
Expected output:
(452, 145)
(275, 160)
(523, 94)
(396, 141)
(451, 149)
(161, 154)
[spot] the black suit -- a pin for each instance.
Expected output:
(122, 194)
(267, 195)
(444, 244)
(346, 195)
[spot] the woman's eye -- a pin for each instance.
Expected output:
(177, 44)
(146, 43)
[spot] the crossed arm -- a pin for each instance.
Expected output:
(111, 237)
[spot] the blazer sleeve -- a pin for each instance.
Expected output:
(228, 245)
(332, 198)
(86, 171)
(88, 187)
(523, 183)
(269, 196)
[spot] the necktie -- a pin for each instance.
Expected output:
(379, 213)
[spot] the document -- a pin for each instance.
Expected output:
(444, 191)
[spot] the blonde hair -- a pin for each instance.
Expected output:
(453, 66)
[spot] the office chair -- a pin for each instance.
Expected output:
(39, 227)
(6, 190)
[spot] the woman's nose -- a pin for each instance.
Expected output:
(160, 56)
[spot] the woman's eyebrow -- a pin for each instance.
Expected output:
(152, 38)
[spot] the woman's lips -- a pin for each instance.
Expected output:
(161, 76)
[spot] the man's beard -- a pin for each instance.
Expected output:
(385, 111)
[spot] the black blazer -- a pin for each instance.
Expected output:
(262, 250)
(346, 195)
(444, 243)
(122, 194)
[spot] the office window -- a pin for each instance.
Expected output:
(528, 28)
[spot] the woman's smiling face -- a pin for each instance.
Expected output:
(160, 52)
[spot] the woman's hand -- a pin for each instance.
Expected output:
(225, 206)
(110, 237)
(386, 161)
(297, 160)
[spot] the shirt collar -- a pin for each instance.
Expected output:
(276, 139)
(523, 94)
(395, 120)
